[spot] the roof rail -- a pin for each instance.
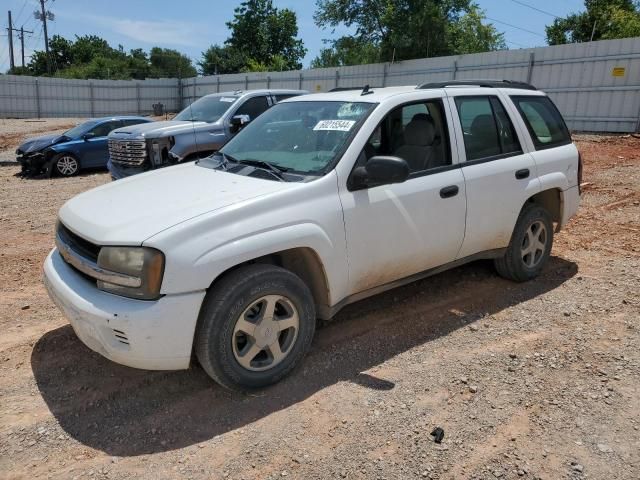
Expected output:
(348, 89)
(478, 83)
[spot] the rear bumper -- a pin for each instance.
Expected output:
(152, 335)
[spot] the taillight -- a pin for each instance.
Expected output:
(579, 173)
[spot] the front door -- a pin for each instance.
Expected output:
(94, 151)
(394, 231)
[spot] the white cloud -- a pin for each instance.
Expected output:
(152, 32)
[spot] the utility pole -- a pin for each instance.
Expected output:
(10, 30)
(22, 32)
(43, 15)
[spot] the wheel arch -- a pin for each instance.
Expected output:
(552, 200)
(303, 262)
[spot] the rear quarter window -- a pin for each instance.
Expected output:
(543, 120)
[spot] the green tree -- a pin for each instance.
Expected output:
(90, 56)
(470, 35)
(600, 20)
(406, 29)
(217, 60)
(260, 32)
(166, 62)
(347, 50)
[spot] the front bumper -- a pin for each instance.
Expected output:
(152, 335)
(119, 171)
(31, 161)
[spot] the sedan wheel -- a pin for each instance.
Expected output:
(67, 165)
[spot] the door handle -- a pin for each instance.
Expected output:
(450, 191)
(524, 173)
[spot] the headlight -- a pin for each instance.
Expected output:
(140, 266)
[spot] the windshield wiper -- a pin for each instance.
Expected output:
(275, 169)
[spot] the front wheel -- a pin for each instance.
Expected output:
(66, 164)
(255, 326)
(530, 245)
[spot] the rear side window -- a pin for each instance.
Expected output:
(545, 124)
(488, 130)
(284, 96)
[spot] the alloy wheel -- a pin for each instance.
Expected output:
(67, 165)
(534, 244)
(265, 332)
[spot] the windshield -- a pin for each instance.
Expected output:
(207, 109)
(78, 130)
(301, 137)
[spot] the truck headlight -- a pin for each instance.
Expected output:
(140, 266)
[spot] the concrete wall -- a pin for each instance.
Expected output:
(595, 85)
(35, 97)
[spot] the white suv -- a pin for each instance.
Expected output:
(321, 201)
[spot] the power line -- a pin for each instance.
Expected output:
(517, 44)
(515, 26)
(535, 8)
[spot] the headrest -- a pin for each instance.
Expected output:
(483, 125)
(419, 132)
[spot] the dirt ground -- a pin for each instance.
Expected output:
(537, 381)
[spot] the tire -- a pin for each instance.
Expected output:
(66, 165)
(236, 335)
(530, 245)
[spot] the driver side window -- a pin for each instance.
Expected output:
(103, 129)
(416, 132)
(253, 107)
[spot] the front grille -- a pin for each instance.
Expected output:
(128, 152)
(78, 244)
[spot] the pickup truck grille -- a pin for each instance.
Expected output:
(128, 152)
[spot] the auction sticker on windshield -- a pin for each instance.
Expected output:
(335, 125)
(228, 99)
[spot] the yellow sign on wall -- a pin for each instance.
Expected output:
(618, 71)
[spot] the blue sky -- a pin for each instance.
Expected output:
(192, 25)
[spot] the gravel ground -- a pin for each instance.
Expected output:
(535, 380)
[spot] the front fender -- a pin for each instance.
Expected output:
(211, 263)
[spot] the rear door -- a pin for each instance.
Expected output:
(499, 175)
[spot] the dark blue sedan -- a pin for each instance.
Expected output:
(84, 146)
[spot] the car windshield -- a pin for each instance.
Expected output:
(207, 109)
(79, 130)
(300, 137)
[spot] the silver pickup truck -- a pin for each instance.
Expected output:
(199, 130)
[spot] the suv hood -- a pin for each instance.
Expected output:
(156, 129)
(129, 211)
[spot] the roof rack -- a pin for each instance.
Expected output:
(478, 83)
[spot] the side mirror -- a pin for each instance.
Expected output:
(379, 170)
(88, 136)
(238, 122)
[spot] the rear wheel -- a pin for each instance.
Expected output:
(255, 326)
(66, 164)
(530, 245)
